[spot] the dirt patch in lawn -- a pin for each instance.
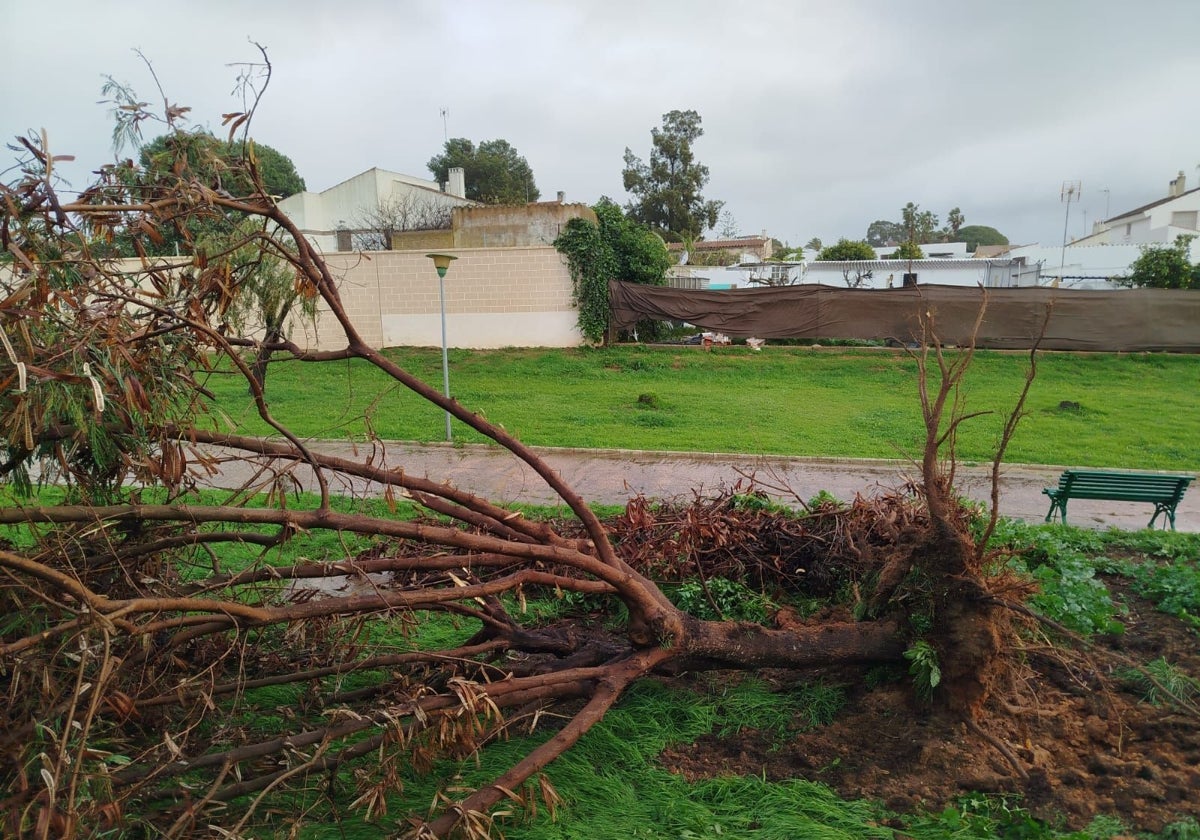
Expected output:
(1087, 742)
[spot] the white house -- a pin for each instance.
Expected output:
(1159, 221)
(1096, 260)
(332, 219)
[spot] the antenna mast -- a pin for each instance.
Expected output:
(1070, 193)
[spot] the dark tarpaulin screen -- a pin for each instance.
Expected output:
(1123, 320)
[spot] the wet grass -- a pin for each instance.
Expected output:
(612, 786)
(1114, 410)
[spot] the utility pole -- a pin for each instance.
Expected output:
(1070, 192)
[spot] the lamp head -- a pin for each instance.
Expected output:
(441, 262)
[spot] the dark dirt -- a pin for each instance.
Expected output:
(1088, 744)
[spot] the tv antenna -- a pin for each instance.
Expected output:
(1070, 193)
(445, 112)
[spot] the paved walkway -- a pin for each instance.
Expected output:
(612, 477)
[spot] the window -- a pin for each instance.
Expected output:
(1184, 219)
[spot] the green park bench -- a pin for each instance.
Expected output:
(1163, 491)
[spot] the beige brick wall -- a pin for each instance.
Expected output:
(495, 297)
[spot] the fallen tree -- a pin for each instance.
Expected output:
(119, 669)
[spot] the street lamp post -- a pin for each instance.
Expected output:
(442, 262)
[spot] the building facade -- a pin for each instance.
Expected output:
(350, 216)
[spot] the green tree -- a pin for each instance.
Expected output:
(639, 254)
(227, 164)
(919, 226)
(882, 232)
(268, 293)
(954, 223)
(786, 253)
(846, 250)
(908, 251)
(728, 225)
(227, 167)
(850, 250)
(667, 191)
(976, 235)
(1165, 267)
(495, 172)
(813, 245)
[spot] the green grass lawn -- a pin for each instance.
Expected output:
(1117, 410)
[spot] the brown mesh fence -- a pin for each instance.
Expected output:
(1124, 320)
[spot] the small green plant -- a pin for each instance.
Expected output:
(820, 703)
(1161, 683)
(724, 600)
(824, 499)
(1071, 595)
(978, 815)
(1173, 587)
(1184, 829)
(649, 401)
(923, 666)
(757, 500)
(920, 622)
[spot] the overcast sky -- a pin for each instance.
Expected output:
(819, 115)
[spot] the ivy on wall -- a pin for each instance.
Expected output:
(616, 248)
(591, 262)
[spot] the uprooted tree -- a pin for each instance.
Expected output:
(128, 640)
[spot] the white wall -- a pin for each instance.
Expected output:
(482, 331)
(940, 272)
(1088, 261)
(944, 272)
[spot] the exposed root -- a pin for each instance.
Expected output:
(1001, 748)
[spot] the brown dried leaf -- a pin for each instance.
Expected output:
(236, 125)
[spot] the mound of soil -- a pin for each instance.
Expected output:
(1087, 746)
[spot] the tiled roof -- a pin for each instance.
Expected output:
(991, 250)
(749, 242)
(1145, 207)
